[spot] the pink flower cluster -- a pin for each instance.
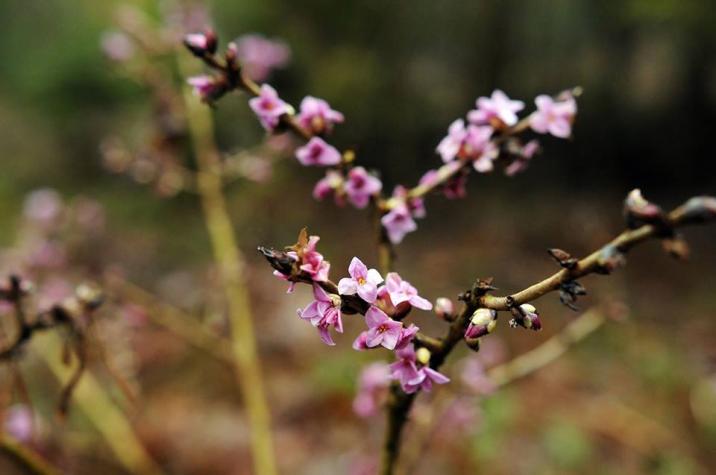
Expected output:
(310, 261)
(413, 372)
(392, 296)
(358, 186)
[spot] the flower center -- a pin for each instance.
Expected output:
(361, 281)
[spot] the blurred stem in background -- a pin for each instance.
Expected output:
(230, 264)
(102, 412)
(31, 462)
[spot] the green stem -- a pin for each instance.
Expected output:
(231, 265)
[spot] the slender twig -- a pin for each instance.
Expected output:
(31, 462)
(548, 351)
(696, 210)
(595, 262)
(182, 325)
(92, 399)
(231, 267)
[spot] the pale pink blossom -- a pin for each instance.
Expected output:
(416, 205)
(259, 55)
(361, 186)
(406, 336)
(554, 117)
(411, 375)
(318, 153)
(330, 185)
(496, 110)
(317, 116)
(268, 107)
(324, 312)
(362, 281)
(398, 291)
(398, 222)
(372, 389)
(382, 330)
(469, 143)
(311, 261)
(18, 422)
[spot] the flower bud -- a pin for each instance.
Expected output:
(526, 316)
(201, 43)
(444, 308)
(483, 321)
(638, 210)
(422, 355)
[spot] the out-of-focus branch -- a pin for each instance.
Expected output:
(92, 399)
(173, 319)
(231, 267)
(30, 461)
(547, 352)
(603, 260)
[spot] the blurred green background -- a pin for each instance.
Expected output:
(401, 71)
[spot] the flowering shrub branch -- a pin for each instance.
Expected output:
(491, 132)
(74, 314)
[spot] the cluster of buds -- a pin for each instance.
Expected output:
(525, 316)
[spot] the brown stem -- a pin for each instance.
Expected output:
(593, 263)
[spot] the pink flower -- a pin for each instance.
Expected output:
(382, 330)
(324, 312)
(411, 377)
(497, 110)
(372, 385)
(406, 336)
(405, 370)
(415, 205)
(259, 55)
(362, 281)
(399, 291)
(360, 186)
(554, 117)
(330, 185)
(471, 142)
(312, 262)
(18, 422)
(206, 88)
(317, 116)
(268, 107)
(398, 222)
(317, 152)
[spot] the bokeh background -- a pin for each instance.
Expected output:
(638, 396)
